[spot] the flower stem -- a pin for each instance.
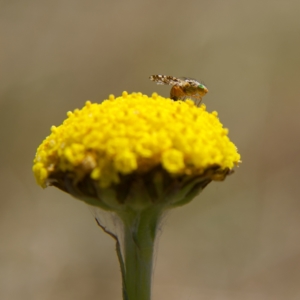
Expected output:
(139, 237)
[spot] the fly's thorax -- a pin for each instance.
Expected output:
(193, 90)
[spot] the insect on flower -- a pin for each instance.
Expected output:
(182, 88)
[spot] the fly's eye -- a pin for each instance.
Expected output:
(202, 87)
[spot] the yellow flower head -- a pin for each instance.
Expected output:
(133, 135)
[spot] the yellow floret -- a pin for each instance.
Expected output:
(135, 133)
(173, 160)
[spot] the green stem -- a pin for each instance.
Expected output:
(139, 237)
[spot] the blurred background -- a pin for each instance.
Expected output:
(240, 238)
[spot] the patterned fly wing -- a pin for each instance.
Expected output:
(167, 80)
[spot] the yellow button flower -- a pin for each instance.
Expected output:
(133, 135)
(135, 157)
